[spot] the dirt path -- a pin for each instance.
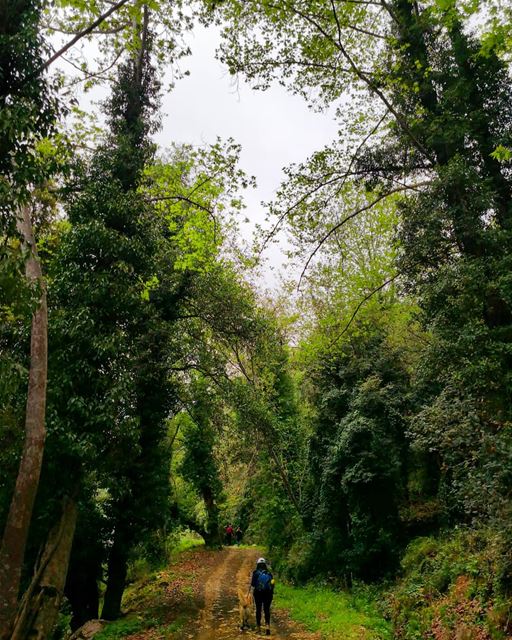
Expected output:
(218, 616)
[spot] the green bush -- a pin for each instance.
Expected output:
(454, 581)
(300, 559)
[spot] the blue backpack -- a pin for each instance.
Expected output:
(264, 581)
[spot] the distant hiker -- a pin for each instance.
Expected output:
(262, 584)
(238, 535)
(229, 534)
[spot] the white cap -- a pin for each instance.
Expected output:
(261, 561)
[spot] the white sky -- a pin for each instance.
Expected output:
(274, 127)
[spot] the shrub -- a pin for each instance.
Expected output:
(453, 587)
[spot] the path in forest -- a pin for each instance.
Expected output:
(218, 615)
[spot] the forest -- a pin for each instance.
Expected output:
(356, 420)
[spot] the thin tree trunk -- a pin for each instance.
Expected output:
(116, 581)
(41, 602)
(15, 535)
(82, 587)
(213, 536)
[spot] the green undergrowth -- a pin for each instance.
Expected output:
(334, 614)
(185, 542)
(145, 601)
(244, 545)
(143, 565)
(455, 585)
(135, 624)
(122, 628)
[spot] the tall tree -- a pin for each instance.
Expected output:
(28, 114)
(124, 234)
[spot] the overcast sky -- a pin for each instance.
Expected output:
(273, 127)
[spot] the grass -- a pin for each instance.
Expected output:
(121, 628)
(244, 545)
(167, 631)
(186, 541)
(334, 614)
(142, 568)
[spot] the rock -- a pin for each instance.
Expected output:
(89, 630)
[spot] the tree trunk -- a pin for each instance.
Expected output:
(41, 602)
(213, 538)
(15, 535)
(82, 589)
(117, 569)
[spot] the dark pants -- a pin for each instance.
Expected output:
(263, 599)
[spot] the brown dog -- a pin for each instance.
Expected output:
(244, 606)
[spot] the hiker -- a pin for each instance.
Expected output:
(262, 584)
(229, 534)
(238, 535)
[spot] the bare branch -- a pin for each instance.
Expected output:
(366, 32)
(183, 199)
(143, 36)
(100, 32)
(241, 366)
(89, 75)
(200, 185)
(81, 34)
(289, 62)
(364, 77)
(370, 83)
(298, 202)
(361, 145)
(194, 203)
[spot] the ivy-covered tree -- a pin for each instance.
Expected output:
(362, 393)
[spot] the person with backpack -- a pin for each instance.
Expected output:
(262, 584)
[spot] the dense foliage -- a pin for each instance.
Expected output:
(358, 427)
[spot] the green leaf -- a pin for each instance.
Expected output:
(502, 154)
